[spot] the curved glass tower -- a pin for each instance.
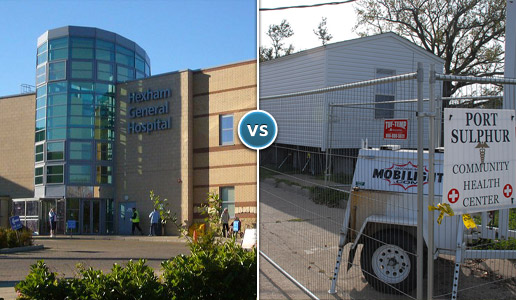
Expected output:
(76, 73)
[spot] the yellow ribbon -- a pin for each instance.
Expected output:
(468, 221)
(445, 208)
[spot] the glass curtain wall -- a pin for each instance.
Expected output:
(75, 111)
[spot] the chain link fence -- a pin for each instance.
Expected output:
(339, 188)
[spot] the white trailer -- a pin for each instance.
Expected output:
(381, 214)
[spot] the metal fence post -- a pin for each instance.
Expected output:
(420, 162)
(431, 183)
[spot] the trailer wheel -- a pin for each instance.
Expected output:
(388, 261)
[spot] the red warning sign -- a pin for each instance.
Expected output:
(395, 129)
(507, 190)
(453, 195)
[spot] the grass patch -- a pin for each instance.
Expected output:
(296, 220)
(327, 196)
(341, 178)
(487, 244)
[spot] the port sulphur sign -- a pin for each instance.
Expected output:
(479, 159)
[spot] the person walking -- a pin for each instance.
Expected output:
(136, 221)
(224, 219)
(52, 218)
(236, 226)
(154, 218)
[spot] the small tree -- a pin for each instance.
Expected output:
(322, 32)
(161, 205)
(277, 34)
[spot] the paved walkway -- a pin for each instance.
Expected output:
(100, 252)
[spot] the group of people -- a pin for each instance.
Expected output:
(153, 218)
(235, 225)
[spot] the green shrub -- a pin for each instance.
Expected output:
(327, 196)
(3, 238)
(11, 238)
(41, 284)
(25, 237)
(225, 271)
(135, 281)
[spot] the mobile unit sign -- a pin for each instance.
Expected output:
(479, 159)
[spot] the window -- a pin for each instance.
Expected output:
(104, 151)
(57, 87)
(58, 49)
(59, 99)
(41, 74)
(80, 150)
(80, 121)
(81, 86)
(124, 74)
(105, 72)
(82, 69)
(39, 152)
(140, 64)
(40, 124)
(105, 51)
(78, 98)
(124, 56)
(42, 54)
(55, 151)
(56, 134)
(80, 174)
(80, 133)
(72, 211)
(226, 130)
(384, 93)
(227, 194)
(56, 111)
(104, 174)
(56, 122)
(105, 89)
(82, 48)
(104, 134)
(55, 174)
(147, 69)
(57, 71)
(81, 110)
(41, 99)
(38, 175)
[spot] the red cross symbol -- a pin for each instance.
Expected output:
(453, 195)
(507, 190)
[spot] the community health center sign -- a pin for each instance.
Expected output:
(479, 159)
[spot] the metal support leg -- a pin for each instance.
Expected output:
(458, 258)
(342, 243)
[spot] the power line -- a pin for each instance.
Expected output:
(307, 6)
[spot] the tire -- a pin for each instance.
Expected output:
(388, 261)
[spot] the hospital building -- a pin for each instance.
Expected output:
(100, 132)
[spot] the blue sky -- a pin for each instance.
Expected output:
(177, 34)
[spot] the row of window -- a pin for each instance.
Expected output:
(77, 174)
(78, 150)
(85, 70)
(87, 109)
(88, 48)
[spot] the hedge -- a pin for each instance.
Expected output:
(11, 238)
(223, 271)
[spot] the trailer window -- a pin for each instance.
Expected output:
(384, 93)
